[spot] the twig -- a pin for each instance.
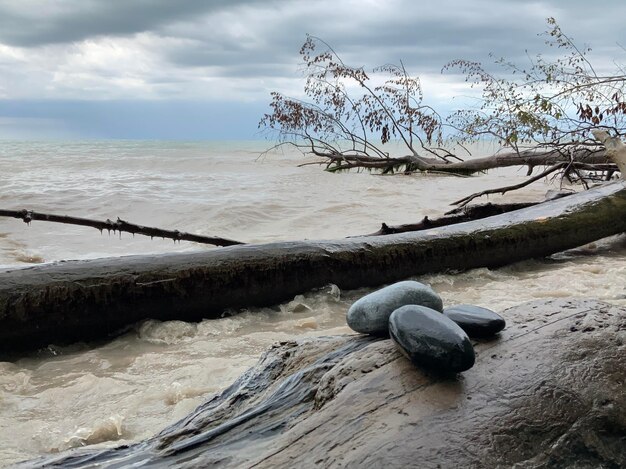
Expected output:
(502, 190)
(117, 226)
(320, 163)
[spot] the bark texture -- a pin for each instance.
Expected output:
(548, 392)
(81, 300)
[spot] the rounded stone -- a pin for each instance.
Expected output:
(431, 340)
(370, 314)
(476, 321)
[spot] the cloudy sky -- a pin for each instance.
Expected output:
(203, 69)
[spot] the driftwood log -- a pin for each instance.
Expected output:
(458, 215)
(531, 158)
(82, 300)
(547, 393)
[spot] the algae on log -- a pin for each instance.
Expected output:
(548, 392)
(81, 300)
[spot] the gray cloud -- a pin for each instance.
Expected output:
(425, 36)
(240, 50)
(31, 23)
(229, 33)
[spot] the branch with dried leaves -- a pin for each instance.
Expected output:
(550, 105)
(335, 113)
(118, 226)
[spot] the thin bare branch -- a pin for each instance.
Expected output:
(118, 226)
(502, 190)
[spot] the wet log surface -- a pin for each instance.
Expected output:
(83, 300)
(548, 392)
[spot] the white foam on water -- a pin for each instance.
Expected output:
(132, 387)
(107, 430)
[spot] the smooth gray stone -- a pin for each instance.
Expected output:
(431, 340)
(476, 321)
(370, 314)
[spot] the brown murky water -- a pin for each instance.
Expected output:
(133, 386)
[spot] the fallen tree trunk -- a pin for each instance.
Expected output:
(547, 393)
(530, 158)
(81, 300)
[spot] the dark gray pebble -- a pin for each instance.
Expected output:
(431, 340)
(476, 321)
(370, 314)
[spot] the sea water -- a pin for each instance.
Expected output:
(129, 388)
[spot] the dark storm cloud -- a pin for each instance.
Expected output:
(425, 35)
(234, 36)
(30, 23)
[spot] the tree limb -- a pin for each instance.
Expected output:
(502, 190)
(459, 215)
(117, 226)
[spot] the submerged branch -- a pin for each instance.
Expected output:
(117, 226)
(459, 215)
(593, 158)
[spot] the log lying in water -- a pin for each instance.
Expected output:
(547, 393)
(459, 215)
(81, 300)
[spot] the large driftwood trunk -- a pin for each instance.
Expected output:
(82, 300)
(530, 158)
(547, 393)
